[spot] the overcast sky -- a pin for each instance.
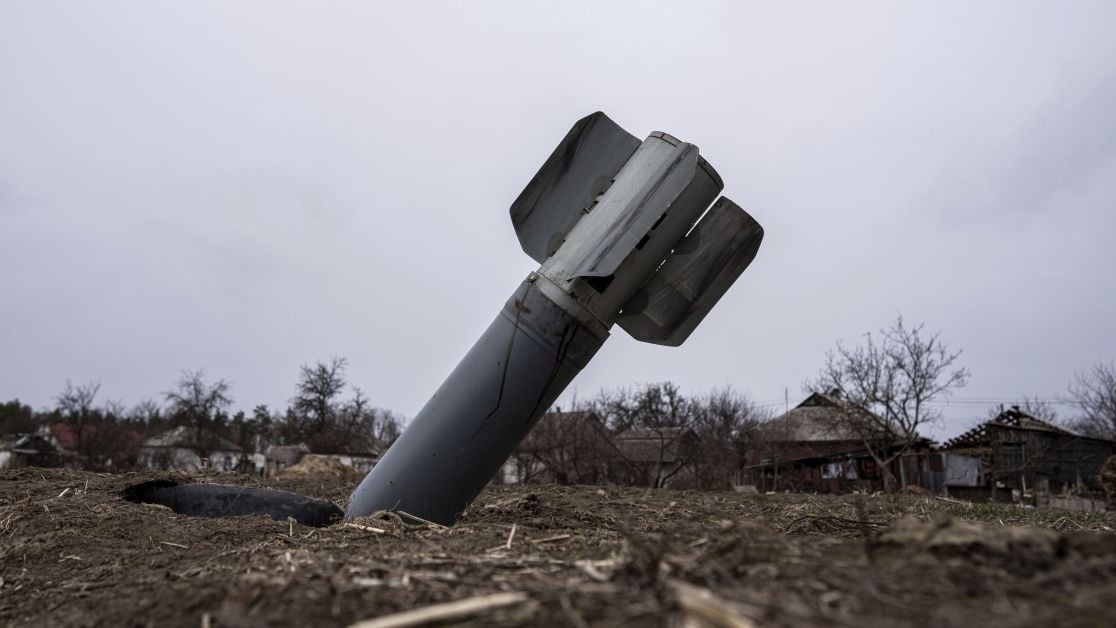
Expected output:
(246, 187)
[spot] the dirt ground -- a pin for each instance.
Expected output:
(73, 553)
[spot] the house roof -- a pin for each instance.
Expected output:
(30, 444)
(660, 444)
(819, 418)
(578, 424)
(1012, 419)
(185, 436)
(65, 434)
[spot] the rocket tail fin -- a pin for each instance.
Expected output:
(581, 167)
(696, 275)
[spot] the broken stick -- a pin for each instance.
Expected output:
(444, 612)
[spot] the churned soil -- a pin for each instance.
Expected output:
(74, 553)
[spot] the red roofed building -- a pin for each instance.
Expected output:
(96, 445)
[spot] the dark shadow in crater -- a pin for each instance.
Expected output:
(220, 500)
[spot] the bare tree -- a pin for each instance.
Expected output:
(360, 422)
(101, 436)
(320, 419)
(76, 409)
(889, 384)
(570, 447)
(350, 429)
(200, 405)
(727, 423)
(146, 412)
(315, 407)
(646, 434)
(653, 428)
(1094, 395)
(651, 405)
(386, 427)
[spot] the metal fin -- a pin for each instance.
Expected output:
(582, 167)
(696, 275)
(645, 189)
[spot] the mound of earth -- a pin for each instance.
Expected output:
(319, 466)
(1021, 549)
(73, 552)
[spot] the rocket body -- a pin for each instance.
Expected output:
(612, 221)
(462, 436)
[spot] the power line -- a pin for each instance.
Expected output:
(960, 401)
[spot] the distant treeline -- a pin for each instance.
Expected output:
(102, 434)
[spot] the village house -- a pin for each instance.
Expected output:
(101, 446)
(28, 450)
(1016, 454)
(815, 448)
(563, 448)
(279, 457)
(658, 457)
(360, 453)
(360, 456)
(184, 447)
(359, 460)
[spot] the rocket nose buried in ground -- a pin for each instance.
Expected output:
(622, 234)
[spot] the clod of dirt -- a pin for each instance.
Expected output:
(1020, 549)
(527, 505)
(739, 547)
(319, 466)
(641, 560)
(220, 500)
